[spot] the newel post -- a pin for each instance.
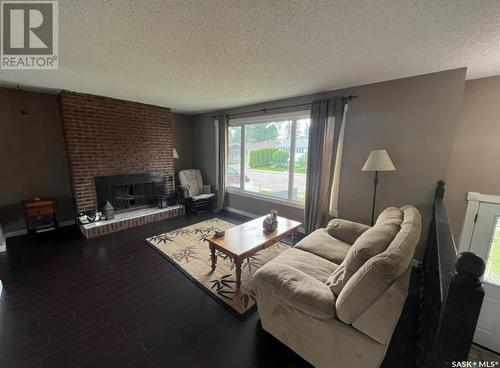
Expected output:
(439, 192)
(460, 311)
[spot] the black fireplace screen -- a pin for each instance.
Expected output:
(132, 195)
(129, 191)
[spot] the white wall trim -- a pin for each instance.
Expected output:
(264, 198)
(13, 234)
(486, 198)
(253, 215)
(473, 201)
(240, 212)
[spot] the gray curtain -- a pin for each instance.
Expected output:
(221, 159)
(324, 132)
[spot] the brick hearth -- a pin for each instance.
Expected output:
(131, 219)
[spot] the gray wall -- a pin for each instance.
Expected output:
(474, 163)
(182, 142)
(413, 118)
(33, 157)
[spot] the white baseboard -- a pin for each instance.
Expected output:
(240, 212)
(253, 215)
(13, 234)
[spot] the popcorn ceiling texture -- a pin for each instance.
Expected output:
(106, 136)
(204, 55)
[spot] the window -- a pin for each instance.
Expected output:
(268, 156)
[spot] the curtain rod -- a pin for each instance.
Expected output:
(349, 98)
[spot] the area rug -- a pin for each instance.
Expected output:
(187, 249)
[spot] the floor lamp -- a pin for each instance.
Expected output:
(378, 160)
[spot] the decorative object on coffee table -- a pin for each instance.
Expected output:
(242, 241)
(40, 214)
(219, 232)
(270, 222)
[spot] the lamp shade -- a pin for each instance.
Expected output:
(379, 160)
(175, 154)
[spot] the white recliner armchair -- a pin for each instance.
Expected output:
(197, 195)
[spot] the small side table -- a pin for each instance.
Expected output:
(40, 214)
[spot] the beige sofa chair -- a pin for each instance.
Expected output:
(335, 298)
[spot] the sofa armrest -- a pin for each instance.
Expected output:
(346, 231)
(296, 289)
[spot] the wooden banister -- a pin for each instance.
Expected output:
(451, 294)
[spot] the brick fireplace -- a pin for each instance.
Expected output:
(110, 137)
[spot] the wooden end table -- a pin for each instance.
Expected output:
(243, 241)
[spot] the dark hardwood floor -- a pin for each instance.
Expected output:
(114, 301)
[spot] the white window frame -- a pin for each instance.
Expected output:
(290, 116)
(474, 199)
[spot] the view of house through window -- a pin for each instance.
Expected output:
(269, 158)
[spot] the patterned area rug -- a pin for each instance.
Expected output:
(187, 250)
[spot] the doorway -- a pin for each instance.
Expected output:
(483, 238)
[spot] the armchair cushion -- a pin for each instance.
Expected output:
(372, 242)
(346, 231)
(391, 215)
(192, 179)
(296, 289)
(202, 196)
(325, 246)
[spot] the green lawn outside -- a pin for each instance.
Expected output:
(298, 170)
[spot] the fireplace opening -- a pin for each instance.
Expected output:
(126, 192)
(132, 195)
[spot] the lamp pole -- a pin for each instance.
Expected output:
(375, 184)
(378, 160)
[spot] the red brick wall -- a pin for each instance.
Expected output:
(106, 136)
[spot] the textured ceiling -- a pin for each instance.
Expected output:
(208, 54)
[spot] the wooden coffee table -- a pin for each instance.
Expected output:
(244, 240)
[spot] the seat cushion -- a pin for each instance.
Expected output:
(294, 288)
(320, 243)
(372, 242)
(308, 263)
(202, 196)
